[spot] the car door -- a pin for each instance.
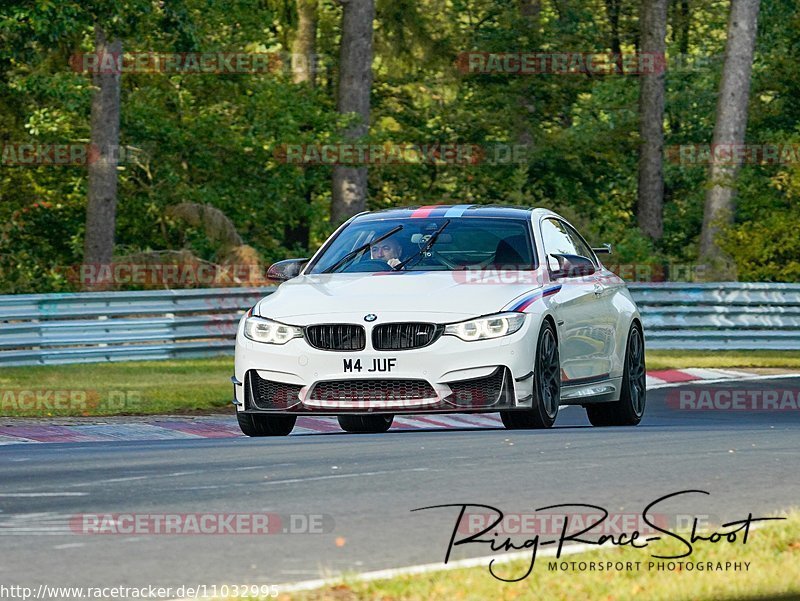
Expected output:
(605, 312)
(582, 344)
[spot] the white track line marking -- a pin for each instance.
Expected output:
(334, 476)
(42, 494)
(107, 481)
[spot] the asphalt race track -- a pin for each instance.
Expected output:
(364, 486)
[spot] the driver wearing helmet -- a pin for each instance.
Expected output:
(388, 250)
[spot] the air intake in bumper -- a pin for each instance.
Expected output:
(480, 392)
(266, 394)
(371, 390)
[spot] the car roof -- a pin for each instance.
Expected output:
(506, 211)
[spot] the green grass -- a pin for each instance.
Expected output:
(202, 385)
(135, 387)
(722, 359)
(774, 572)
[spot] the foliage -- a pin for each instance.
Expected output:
(215, 139)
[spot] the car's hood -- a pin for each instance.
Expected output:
(456, 294)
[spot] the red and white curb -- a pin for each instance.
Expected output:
(200, 427)
(658, 379)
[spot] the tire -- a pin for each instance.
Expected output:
(365, 424)
(546, 386)
(266, 425)
(628, 411)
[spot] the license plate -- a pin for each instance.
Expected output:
(369, 365)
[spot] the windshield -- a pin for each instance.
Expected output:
(462, 243)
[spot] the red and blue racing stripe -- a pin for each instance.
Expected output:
(447, 211)
(527, 300)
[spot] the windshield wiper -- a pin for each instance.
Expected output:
(425, 248)
(354, 253)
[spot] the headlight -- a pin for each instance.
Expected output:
(485, 328)
(271, 332)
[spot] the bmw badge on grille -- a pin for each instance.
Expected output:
(370, 317)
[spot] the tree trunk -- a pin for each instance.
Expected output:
(681, 27)
(729, 131)
(613, 9)
(685, 22)
(103, 157)
(530, 11)
(304, 49)
(355, 83)
(304, 72)
(650, 201)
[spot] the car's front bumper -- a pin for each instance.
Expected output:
(449, 376)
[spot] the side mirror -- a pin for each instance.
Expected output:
(286, 270)
(603, 250)
(571, 266)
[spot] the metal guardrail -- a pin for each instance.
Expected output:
(730, 315)
(47, 329)
(50, 329)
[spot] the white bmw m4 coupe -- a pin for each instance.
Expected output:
(442, 309)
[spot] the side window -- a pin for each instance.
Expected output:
(581, 246)
(556, 240)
